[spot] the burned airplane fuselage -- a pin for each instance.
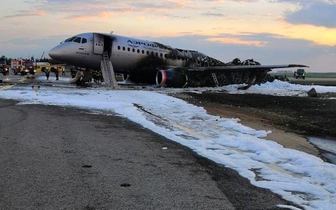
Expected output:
(153, 62)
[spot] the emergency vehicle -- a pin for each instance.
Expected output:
(3, 67)
(16, 65)
(300, 73)
(28, 66)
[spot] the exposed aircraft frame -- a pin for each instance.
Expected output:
(152, 62)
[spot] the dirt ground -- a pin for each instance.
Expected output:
(291, 119)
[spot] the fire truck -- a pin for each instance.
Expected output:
(16, 65)
(3, 67)
(28, 66)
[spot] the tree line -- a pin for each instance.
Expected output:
(49, 60)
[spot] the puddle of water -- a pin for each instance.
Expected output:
(327, 145)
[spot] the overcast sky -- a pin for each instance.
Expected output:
(269, 31)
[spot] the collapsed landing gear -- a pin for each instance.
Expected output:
(257, 78)
(250, 82)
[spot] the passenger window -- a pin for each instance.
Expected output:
(84, 40)
(78, 40)
(133, 50)
(118, 47)
(128, 49)
(143, 52)
(138, 51)
(123, 48)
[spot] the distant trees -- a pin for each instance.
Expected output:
(3, 59)
(49, 60)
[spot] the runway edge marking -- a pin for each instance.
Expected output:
(6, 87)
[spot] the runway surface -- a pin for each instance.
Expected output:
(67, 158)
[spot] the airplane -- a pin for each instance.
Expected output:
(143, 61)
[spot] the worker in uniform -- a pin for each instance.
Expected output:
(47, 72)
(87, 75)
(96, 76)
(100, 76)
(56, 73)
(63, 71)
(73, 72)
(21, 70)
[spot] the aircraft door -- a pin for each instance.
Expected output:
(98, 44)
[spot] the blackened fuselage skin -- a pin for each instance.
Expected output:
(150, 62)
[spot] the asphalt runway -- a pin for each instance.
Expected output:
(65, 158)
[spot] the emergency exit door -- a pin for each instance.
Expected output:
(98, 44)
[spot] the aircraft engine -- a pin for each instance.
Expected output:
(171, 78)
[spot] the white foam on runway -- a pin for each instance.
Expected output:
(297, 176)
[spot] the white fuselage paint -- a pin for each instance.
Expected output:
(126, 53)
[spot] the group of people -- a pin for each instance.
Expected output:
(97, 76)
(56, 70)
(88, 75)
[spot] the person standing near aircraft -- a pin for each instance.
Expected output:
(21, 70)
(56, 73)
(47, 72)
(63, 71)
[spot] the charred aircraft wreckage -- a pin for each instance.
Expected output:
(155, 63)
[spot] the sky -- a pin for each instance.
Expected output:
(299, 177)
(269, 31)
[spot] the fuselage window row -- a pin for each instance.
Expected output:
(142, 51)
(149, 53)
(152, 53)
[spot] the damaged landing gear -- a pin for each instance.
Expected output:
(257, 78)
(249, 83)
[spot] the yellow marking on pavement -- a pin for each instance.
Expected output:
(22, 80)
(6, 87)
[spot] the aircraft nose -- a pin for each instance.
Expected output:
(56, 52)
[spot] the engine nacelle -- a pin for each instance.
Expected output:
(171, 78)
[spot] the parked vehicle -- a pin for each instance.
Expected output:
(29, 67)
(300, 73)
(4, 69)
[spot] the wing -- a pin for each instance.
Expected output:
(245, 67)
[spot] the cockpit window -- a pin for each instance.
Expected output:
(70, 39)
(78, 40)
